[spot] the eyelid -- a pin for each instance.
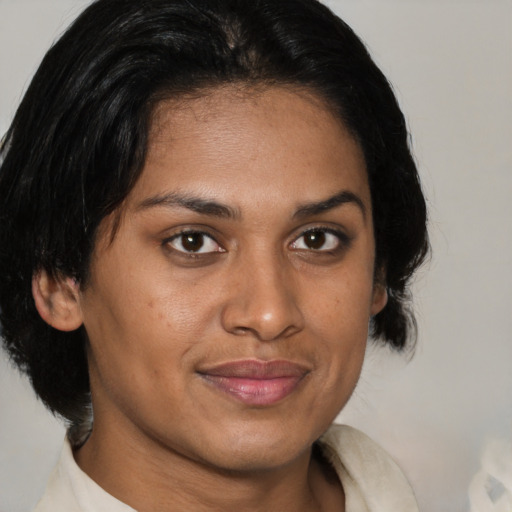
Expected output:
(344, 239)
(193, 231)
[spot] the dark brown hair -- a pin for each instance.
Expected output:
(77, 145)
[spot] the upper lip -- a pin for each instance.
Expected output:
(256, 369)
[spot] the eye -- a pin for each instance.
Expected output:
(194, 242)
(320, 240)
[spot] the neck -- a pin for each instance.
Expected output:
(151, 477)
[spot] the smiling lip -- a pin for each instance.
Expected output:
(256, 382)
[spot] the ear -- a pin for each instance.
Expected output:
(379, 299)
(57, 301)
(380, 292)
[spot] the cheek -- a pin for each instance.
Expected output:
(134, 297)
(144, 334)
(341, 307)
(338, 317)
(135, 353)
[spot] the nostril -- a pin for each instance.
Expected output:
(241, 331)
(264, 305)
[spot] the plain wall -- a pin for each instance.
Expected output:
(450, 63)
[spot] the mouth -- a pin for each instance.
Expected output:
(256, 382)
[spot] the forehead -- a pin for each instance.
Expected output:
(278, 141)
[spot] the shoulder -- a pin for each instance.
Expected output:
(59, 493)
(372, 480)
(70, 489)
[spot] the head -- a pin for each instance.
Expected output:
(80, 140)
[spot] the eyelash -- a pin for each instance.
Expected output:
(191, 253)
(342, 243)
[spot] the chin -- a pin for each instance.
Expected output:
(257, 450)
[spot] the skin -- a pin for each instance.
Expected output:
(258, 288)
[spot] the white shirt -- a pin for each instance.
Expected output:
(371, 480)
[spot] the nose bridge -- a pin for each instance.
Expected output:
(263, 299)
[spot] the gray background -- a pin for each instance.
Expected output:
(450, 62)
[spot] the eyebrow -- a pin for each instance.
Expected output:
(343, 197)
(215, 209)
(195, 204)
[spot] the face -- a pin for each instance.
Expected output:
(228, 318)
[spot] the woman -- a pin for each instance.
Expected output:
(206, 206)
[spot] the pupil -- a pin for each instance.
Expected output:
(315, 239)
(192, 242)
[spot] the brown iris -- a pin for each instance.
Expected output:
(192, 242)
(314, 239)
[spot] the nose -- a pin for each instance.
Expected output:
(263, 301)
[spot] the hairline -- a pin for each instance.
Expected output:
(165, 97)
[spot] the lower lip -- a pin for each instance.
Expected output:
(255, 391)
